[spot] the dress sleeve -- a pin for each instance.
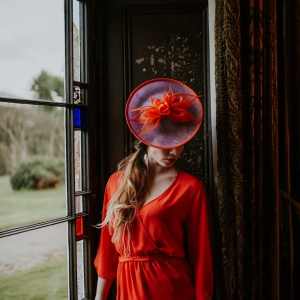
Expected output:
(106, 260)
(199, 245)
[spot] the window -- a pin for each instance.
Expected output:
(44, 205)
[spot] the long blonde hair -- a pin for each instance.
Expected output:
(122, 207)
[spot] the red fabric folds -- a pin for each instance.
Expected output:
(170, 246)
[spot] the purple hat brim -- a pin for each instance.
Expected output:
(168, 134)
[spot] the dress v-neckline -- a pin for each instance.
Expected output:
(163, 193)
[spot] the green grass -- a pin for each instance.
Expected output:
(47, 281)
(19, 208)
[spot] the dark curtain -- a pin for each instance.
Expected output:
(247, 147)
(289, 148)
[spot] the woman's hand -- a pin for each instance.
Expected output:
(103, 287)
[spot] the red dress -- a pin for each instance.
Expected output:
(170, 246)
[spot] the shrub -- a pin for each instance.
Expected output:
(38, 172)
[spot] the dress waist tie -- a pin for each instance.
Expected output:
(146, 258)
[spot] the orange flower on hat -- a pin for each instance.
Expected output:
(171, 105)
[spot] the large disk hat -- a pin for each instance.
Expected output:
(164, 113)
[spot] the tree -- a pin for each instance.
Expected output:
(47, 86)
(27, 130)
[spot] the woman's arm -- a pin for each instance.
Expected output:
(107, 257)
(103, 287)
(199, 245)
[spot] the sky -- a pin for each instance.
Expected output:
(31, 40)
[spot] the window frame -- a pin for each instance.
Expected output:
(68, 105)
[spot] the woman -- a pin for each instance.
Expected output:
(155, 234)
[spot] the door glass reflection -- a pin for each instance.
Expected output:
(32, 164)
(34, 264)
(32, 49)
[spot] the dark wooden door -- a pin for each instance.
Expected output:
(146, 39)
(152, 39)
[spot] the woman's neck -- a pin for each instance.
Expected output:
(159, 179)
(158, 170)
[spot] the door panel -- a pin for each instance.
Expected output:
(151, 41)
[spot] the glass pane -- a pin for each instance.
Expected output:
(34, 264)
(78, 161)
(32, 164)
(80, 117)
(80, 269)
(32, 49)
(78, 204)
(77, 95)
(76, 40)
(79, 227)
